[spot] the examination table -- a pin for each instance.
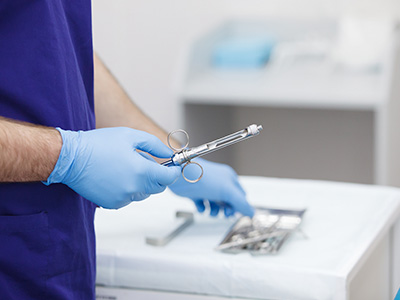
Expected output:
(349, 247)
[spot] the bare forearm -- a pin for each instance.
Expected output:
(113, 106)
(27, 152)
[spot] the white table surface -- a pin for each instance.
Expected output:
(343, 223)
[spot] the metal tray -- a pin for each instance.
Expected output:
(265, 233)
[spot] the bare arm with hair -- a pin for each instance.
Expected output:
(27, 152)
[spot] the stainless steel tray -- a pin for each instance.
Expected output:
(265, 233)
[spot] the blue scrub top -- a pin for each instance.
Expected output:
(47, 243)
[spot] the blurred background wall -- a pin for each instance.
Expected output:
(144, 42)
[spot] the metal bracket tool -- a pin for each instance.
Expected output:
(162, 241)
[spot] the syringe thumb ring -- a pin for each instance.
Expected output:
(192, 180)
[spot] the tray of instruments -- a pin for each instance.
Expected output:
(263, 234)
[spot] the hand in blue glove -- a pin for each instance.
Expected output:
(219, 185)
(103, 165)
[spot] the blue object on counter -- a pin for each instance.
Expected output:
(398, 295)
(242, 52)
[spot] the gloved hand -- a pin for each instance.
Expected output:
(103, 166)
(219, 185)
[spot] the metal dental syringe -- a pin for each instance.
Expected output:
(184, 155)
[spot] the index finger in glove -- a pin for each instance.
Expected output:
(152, 145)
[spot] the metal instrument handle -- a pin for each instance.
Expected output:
(162, 241)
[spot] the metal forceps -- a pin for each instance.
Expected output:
(183, 156)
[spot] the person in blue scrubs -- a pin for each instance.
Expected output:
(71, 140)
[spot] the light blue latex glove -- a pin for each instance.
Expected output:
(103, 166)
(219, 185)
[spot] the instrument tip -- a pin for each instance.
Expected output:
(254, 129)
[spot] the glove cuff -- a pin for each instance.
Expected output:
(69, 147)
